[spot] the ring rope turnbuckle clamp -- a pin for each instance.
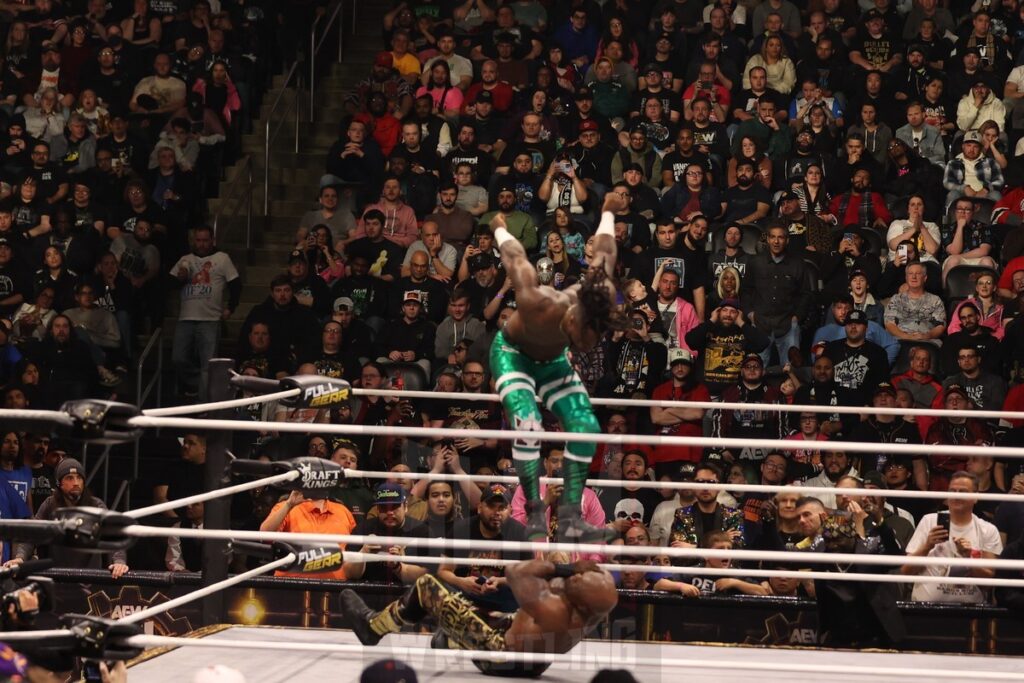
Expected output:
(94, 530)
(102, 422)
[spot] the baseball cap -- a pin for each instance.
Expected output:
(858, 273)
(413, 295)
(296, 255)
(389, 494)
(343, 303)
(972, 136)
(679, 356)
(956, 389)
(885, 388)
(686, 471)
(50, 47)
(917, 47)
(752, 356)
(485, 96)
(384, 59)
(731, 303)
(873, 14)
(787, 196)
(497, 491)
(904, 461)
(857, 316)
(584, 93)
(652, 68)
(68, 466)
(480, 262)
(388, 671)
(875, 479)
(4, 242)
(590, 125)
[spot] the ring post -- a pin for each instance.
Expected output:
(216, 513)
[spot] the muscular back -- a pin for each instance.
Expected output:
(535, 327)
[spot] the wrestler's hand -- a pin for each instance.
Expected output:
(614, 202)
(498, 221)
(584, 566)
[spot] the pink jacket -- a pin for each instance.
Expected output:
(233, 104)
(686, 320)
(400, 224)
(593, 514)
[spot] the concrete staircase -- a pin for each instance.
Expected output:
(293, 178)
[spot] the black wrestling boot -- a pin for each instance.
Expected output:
(536, 521)
(572, 528)
(358, 616)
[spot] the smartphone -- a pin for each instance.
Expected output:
(91, 671)
(638, 324)
(902, 251)
(565, 167)
(944, 520)
(848, 236)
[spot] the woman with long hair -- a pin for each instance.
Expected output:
(617, 30)
(990, 311)
(991, 144)
(447, 98)
(749, 149)
(219, 92)
(727, 286)
(321, 255)
(566, 72)
(565, 265)
(142, 29)
(19, 54)
(821, 127)
(571, 232)
(813, 196)
(773, 58)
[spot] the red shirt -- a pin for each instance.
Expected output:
(668, 392)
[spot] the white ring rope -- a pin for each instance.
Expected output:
(577, 437)
(592, 548)
(701, 571)
(710, 405)
(212, 495)
(221, 405)
(142, 615)
(689, 485)
(590, 660)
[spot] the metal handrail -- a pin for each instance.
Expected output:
(142, 393)
(269, 137)
(314, 49)
(123, 491)
(247, 167)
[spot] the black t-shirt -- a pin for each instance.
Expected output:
(433, 296)
(541, 152)
(337, 365)
(386, 572)
(740, 202)
(878, 50)
(638, 230)
(127, 217)
(27, 215)
(661, 134)
(49, 177)
(182, 479)
(670, 100)
(469, 529)
(649, 499)
(874, 431)
(14, 279)
(389, 254)
(677, 163)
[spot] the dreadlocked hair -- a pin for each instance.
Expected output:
(599, 311)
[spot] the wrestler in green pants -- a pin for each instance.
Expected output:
(520, 380)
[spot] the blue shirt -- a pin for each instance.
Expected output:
(11, 507)
(19, 479)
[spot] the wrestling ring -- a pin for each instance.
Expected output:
(280, 654)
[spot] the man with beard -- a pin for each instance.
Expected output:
(910, 175)
(723, 342)
(384, 255)
(453, 222)
(680, 157)
(331, 360)
(747, 201)
(67, 370)
(634, 468)
(823, 390)
(482, 584)
(691, 523)
(592, 158)
(291, 324)
(842, 304)
(15, 477)
(775, 293)
(519, 223)
(860, 206)
(433, 293)
(256, 352)
(986, 390)
(391, 520)
(859, 364)
(664, 255)
(835, 466)
(632, 229)
(923, 138)
(731, 255)
(71, 492)
(467, 151)
(384, 79)
(683, 385)
(308, 288)
(972, 335)
(805, 154)
(754, 423)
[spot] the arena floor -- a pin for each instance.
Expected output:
(277, 666)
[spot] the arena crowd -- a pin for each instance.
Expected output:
(824, 208)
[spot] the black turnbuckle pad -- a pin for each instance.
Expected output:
(103, 422)
(101, 638)
(316, 391)
(94, 530)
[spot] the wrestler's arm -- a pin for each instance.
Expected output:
(521, 273)
(605, 249)
(529, 584)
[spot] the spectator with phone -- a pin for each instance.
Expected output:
(956, 532)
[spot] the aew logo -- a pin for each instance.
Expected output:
(317, 477)
(129, 600)
(325, 394)
(319, 560)
(527, 424)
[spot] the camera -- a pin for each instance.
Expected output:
(38, 587)
(448, 444)
(638, 324)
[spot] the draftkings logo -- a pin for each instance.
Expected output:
(128, 601)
